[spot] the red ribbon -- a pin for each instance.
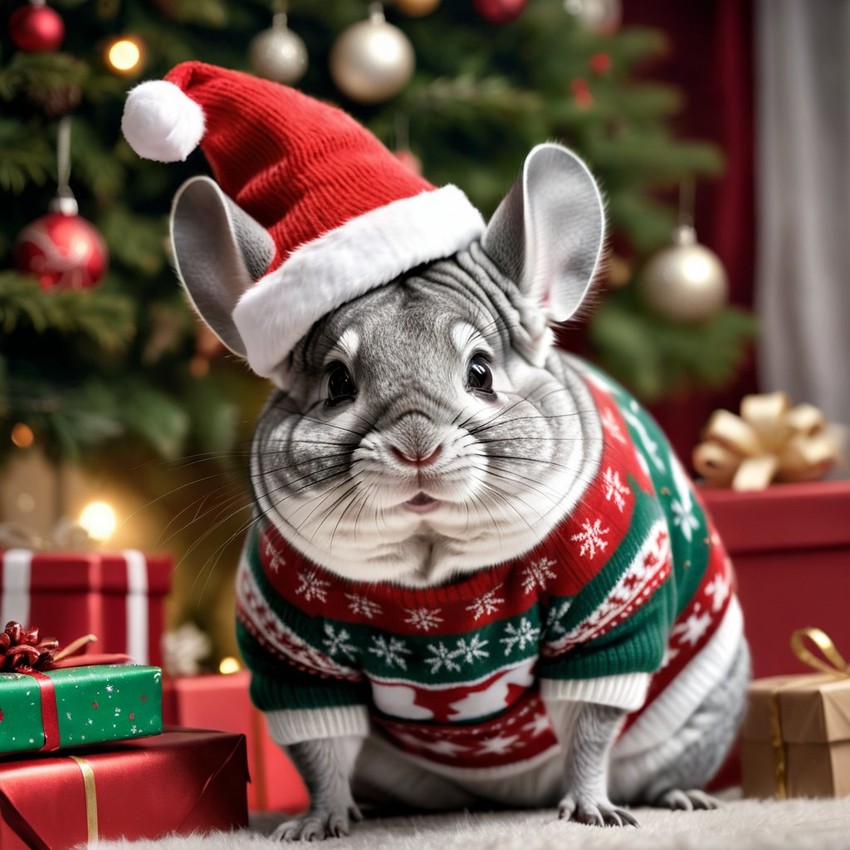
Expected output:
(49, 710)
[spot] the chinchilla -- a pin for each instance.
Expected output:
(477, 573)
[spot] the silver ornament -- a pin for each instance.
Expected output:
(685, 282)
(597, 15)
(372, 60)
(278, 53)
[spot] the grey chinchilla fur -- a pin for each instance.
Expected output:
(329, 479)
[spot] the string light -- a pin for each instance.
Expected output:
(229, 665)
(99, 521)
(125, 55)
(22, 435)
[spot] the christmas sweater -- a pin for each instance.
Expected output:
(627, 603)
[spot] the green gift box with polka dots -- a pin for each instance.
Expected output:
(78, 706)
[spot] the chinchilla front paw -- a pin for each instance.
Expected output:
(318, 824)
(583, 808)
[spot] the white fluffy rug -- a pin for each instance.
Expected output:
(739, 825)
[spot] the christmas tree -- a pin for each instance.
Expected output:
(116, 372)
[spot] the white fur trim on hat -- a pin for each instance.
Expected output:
(161, 122)
(362, 254)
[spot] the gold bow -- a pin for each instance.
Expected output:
(834, 665)
(769, 441)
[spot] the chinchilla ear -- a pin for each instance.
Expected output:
(220, 252)
(548, 232)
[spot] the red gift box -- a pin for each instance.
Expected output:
(222, 702)
(183, 781)
(117, 596)
(790, 545)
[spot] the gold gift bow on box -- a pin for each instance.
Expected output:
(769, 440)
(834, 665)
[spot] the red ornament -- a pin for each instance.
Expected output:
(600, 63)
(63, 251)
(581, 93)
(500, 11)
(36, 28)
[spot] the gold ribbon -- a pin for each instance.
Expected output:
(91, 798)
(832, 663)
(770, 440)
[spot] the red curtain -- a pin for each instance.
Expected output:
(711, 61)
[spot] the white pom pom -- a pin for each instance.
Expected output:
(161, 122)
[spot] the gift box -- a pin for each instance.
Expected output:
(180, 782)
(222, 702)
(790, 545)
(117, 596)
(795, 741)
(78, 706)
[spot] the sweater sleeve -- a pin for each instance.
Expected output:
(298, 704)
(615, 667)
(604, 644)
(304, 691)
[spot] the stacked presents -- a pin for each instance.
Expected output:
(788, 534)
(83, 754)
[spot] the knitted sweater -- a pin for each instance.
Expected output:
(630, 595)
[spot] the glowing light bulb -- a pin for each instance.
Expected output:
(98, 519)
(125, 55)
(229, 665)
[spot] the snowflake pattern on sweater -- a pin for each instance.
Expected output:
(613, 606)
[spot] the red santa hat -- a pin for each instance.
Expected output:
(344, 214)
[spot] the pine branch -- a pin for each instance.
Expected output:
(463, 98)
(136, 241)
(104, 318)
(655, 357)
(25, 156)
(44, 71)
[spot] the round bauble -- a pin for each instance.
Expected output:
(416, 8)
(602, 16)
(685, 282)
(62, 250)
(500, 11)
(36, 28)
(278, 54)
(371, 61)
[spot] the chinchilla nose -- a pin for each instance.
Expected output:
(418, 459)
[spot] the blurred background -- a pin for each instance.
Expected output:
(714, 127)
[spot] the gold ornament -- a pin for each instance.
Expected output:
(416, 8)
(685, 282)
(278, 53)
(769, 441)
(372, 60)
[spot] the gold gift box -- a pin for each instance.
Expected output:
(795, 741)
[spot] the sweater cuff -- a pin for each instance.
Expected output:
(627, 691)
(291, 726)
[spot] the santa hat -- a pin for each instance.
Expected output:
(344, 214)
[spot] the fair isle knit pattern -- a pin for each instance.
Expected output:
(613, 607)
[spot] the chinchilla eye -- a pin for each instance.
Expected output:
(341, 386)
(478, 375)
